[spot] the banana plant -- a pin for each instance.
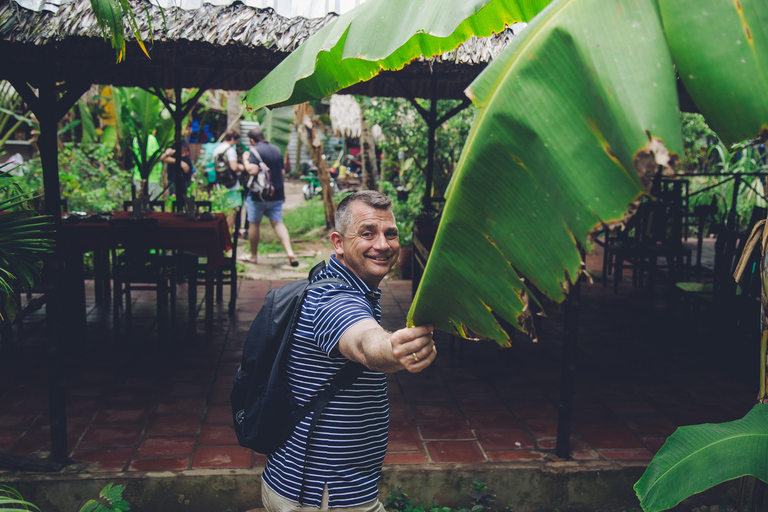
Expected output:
(576, 116)
(9, 102)
(381, 35)
(112, 16)
(696, 457)
(141, 114)
(276, 124)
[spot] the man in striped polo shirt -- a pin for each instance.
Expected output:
(341, 464)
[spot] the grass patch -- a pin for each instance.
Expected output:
(306, 224)
(307, 221)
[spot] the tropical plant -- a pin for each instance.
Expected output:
(24, 237)
(12, 501)
(275, 123)
(697, 457)
(742, 158)
(110, 499)
(10, 102)
(347, 51)
(697, 137)
(216, 194)
(141, 115)
(406, 137)
(112, 16)
(90, 178)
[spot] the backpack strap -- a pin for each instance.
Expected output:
(316, 270)
(255, 152)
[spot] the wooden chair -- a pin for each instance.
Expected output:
(197, 270)
(655, 231)
(738, 302)
(138, 264)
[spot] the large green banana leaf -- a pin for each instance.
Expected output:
(575, 115)
(698, 457)
(381, 35)
(721, 53)
(572, 116)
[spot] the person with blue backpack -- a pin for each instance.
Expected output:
(334, 370)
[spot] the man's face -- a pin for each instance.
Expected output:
(371, 246)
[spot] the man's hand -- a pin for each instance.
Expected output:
(409, 349)
(414, 347)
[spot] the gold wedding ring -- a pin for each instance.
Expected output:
(413, 355)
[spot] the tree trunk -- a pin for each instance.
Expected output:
(233, 110)
(306, 120)
(368, 157)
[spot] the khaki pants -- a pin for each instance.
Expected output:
(273, 502)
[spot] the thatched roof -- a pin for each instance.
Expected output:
(234, 43)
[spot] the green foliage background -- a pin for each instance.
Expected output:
(91, 178)
(406, 132)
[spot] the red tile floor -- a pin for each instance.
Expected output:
(139, 403)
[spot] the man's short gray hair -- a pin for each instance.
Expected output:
(371, 198)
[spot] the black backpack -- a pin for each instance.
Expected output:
(225, 176)
(263, 408)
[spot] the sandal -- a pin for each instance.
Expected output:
(248, 259)
(293, 261)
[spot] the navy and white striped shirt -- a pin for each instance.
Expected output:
(348, 444)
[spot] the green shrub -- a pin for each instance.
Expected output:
(481, 499)
(90, 178)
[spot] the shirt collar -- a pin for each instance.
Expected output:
(337, 267)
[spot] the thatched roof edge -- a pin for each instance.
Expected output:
(217, 25)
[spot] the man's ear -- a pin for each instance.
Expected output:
(336, 239)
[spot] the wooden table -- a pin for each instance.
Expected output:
(209, 238)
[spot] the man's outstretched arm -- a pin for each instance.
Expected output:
(411, 348)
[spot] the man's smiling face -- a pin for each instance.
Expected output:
(371, 246)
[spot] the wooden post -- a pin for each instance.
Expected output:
(431, 134)
(568, 370)
(49, 109)
(57, 390)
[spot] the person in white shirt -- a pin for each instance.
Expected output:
(234, 197)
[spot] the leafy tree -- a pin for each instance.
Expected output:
(406, 135)
(697, 137)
